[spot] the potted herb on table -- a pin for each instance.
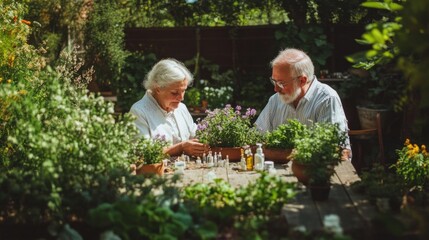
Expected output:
(279, 143)
(227, 130)
(148, 154)
(315, 156)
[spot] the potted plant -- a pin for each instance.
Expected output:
(377, 90)
(317, 152)
(148, 155)
(228, 129)
(279, 143)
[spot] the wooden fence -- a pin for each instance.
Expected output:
(247, 49)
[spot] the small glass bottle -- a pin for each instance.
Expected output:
(210, 160)
(204, 160)
(242, 160)
(249, 160)
(198, 162)
(259, 158)
(215, 160)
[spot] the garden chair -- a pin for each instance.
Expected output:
(358, 139)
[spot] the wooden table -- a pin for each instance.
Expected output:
(354, 210)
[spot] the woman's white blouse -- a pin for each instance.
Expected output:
(153, 121)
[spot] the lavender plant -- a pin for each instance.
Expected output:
(228, 127)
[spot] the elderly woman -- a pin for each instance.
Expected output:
(161, 113)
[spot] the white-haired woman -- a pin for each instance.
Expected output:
(161, 113)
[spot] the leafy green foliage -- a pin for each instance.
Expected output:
(380, 36)
(130, 89)
(319, 149)
(245, 212)
(255, 91)
(379, 183)
(309, 38)
(18, 59)
(148, 209)
(192, 97)
(177, 13)
(60, 137)
(400, 39)
(413, 45)
(56, 140)
(204, 211)
(284, 136)
(104, 42)
(149, 151)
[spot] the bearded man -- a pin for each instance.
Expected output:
(299, 95)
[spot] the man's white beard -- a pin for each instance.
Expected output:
(292, 97)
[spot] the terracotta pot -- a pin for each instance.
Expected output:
(277, 155)
(234, 153)
(156, 168)
(299, 171)
(319, 192)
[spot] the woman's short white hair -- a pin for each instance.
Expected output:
(166, 72)
(298, 62)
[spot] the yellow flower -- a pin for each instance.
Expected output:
(22, 92)
(424, 151)
(407, 142)
(416, 149)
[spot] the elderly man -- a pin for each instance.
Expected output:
(299, 95)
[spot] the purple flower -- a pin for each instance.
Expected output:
(201, 127)
(250, 112)
(238, 108)
(159, 137)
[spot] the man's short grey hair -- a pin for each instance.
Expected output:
(297, 61)
(167, 72)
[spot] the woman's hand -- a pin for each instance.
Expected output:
(193, 147)
(346, 154)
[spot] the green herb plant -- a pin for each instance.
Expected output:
(149, 151)
(320, 150)
(283, 137)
